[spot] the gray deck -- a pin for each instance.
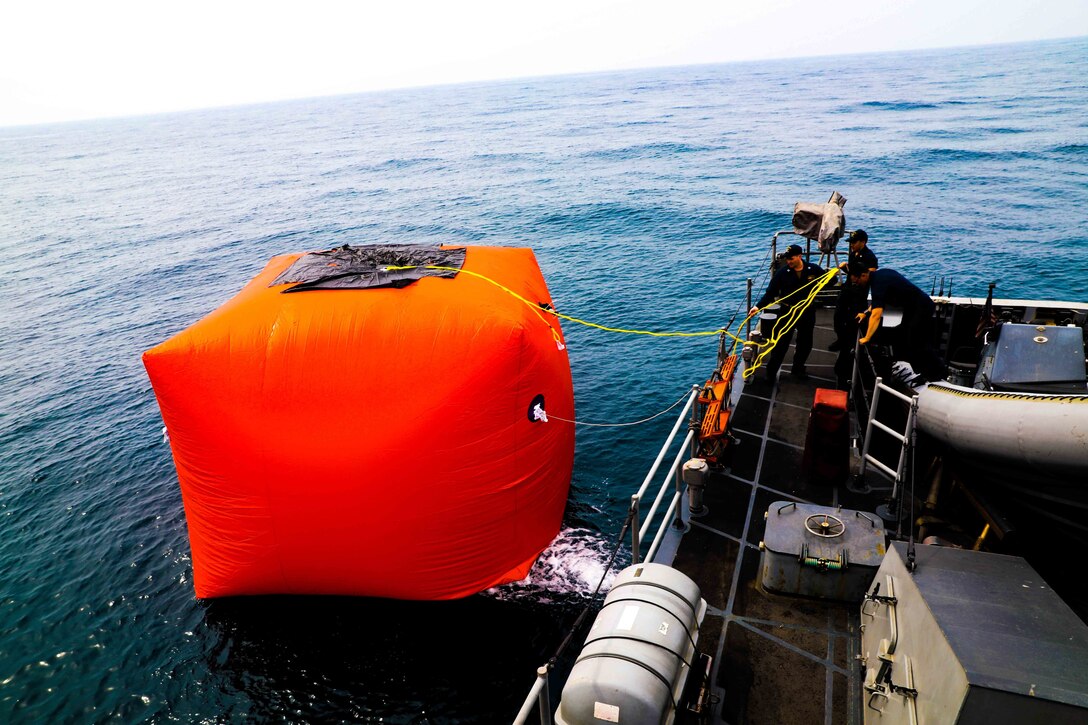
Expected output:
(778, 659)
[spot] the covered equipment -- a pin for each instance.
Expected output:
(638, 654)
(822, 223)
(371, 421)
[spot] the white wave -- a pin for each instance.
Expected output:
(573, 564)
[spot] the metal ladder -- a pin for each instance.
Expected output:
(890, 511)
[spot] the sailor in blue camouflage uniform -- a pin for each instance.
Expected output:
(794, 275)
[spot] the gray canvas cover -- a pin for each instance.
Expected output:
(364, 267)
(823, 223)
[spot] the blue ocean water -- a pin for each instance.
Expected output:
(649, 197)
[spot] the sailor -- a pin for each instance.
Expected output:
(889, 288)
(789, 279)
(850, 302)
(851, 299)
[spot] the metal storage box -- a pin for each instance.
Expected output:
(820, 551)
(970, 638)
(1026, 354)
(637, 655)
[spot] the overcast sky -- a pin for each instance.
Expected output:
(63, 60)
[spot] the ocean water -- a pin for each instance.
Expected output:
(648, 196)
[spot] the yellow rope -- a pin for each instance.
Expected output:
(560, 315)
(785, 324)
(535, 307)
(795, 313)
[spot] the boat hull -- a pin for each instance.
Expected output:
(1029, 450)
(1043, 432)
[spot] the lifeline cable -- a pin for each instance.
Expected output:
(621, 425)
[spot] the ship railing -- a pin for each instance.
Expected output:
(539, 697)
(829, 258)
(859, 394)
(674, 513)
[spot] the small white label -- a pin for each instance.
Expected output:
(664, 628)
(627, 619)
(608, 713)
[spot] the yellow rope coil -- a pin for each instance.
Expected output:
(786, 324)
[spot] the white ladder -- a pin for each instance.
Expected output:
(904, 439)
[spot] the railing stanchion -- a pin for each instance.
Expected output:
(545, 697)
(678, 519)
(636, 536)
(538, 694)
(855, 374)
(748, 306)
(877, 387)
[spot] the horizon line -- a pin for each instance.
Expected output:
(513, 79)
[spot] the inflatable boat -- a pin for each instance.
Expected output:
(1018, 417)
(1043, 431)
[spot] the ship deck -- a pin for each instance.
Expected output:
(777, 659)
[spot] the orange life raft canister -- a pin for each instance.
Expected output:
(340, 427)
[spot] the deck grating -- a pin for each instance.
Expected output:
(778, 659)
